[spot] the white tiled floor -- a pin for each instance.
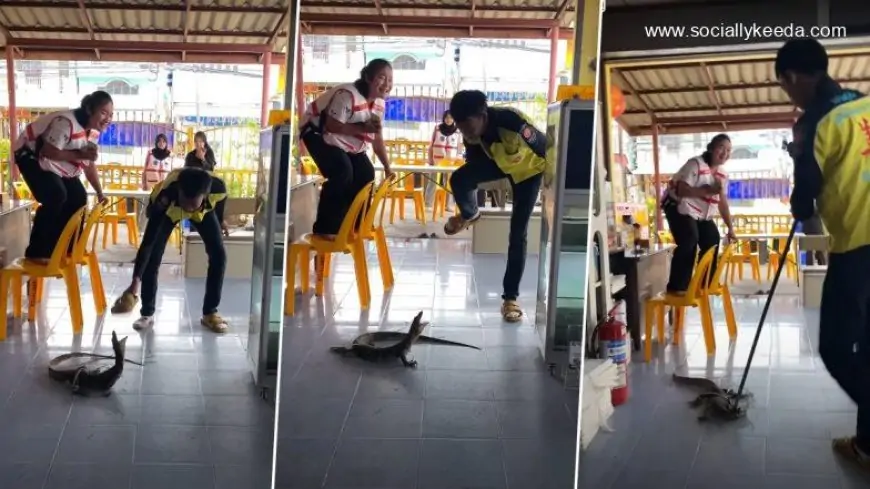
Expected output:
(784, 443)
(189, 419)
(490, 419)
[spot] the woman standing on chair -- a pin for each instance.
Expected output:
(695, 193)
(52, 153)
(337, 130)
(158, 163)
(445, 143)
(202, 155)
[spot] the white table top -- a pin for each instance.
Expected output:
(762, 236)
(419, 168)
(133, 194)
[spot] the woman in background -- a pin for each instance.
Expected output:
(445, 143)
(695, 194)
(52, 153)
(202, 155)
(158, 163)
(337, 129)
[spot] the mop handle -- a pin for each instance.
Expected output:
(766, 308)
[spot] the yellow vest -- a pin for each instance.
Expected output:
(174, 212)
(513, 156)
(842, 149)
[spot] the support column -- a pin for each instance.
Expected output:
(586, 27)
(290, 68)
(554, 64)
(300, 82)
(13, 113)
(264, 102)
(657, 177)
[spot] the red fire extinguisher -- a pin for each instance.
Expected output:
(613, 341)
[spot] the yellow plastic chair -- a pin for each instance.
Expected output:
(58, 266)
(719, 288)
(308, 166)
(405, 189)
(654, 309)
(439, 205)
(371, 232)
(665, 237)
(777, 254)
(345, 242)
(121, 215)
(745, 255)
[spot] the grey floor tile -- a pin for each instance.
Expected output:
(803, 456)
(302, 463)
(472, 463)
(29, 443)
(388, 418)
(309, 382)
(173, 445)
(23, 475)
(515, 358)
(678, 454)
(113, 410)
(232, 445)
(642, 479)
(452, 358)
(375, 464)
(171, 382)
(539, 419)
(540, 464)
(392, 384)
(312, 418)
(803, 482)
(238, 476)
(234, 383)
(732, 456)
(238, 411)
(109, 445)
(173, 409)
(173, 477)
(89, 476)
(460, 419)
(727, 481)
(457, 384)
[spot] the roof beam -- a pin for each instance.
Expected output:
(711, 85)
(746, 126)
(560, 10)
(86, 20)
(736, 118)
(628, 87)
(434, 31)
(737, 86)
(149, 57)
(471, 16)
(140, 46)
(709, 108)
(187, 6)
(168, 7)
(156, 32)
(426, 21)
(427, 6)
(380, 11)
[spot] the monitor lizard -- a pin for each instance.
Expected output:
(91, 372)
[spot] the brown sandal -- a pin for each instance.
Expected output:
(125, 303)
(846, 448)
(511, 312)
(456, 224)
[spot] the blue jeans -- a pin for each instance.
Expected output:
(844, 331)
(464, 182)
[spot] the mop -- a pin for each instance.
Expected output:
(725, 404)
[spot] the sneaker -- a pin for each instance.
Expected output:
(214, 322)
(848, 449)
(125, 303)
(143, 322)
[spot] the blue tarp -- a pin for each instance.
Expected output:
(216, 121)
(758, 188)
(428, 109)
(136, 134)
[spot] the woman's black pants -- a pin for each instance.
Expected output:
(346, 174)
(59, 199)
(690, 236)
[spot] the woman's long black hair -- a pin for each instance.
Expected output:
(714, 143)
(444, 128)
(209, 163)
(366, 75)
(90, 104)
(156, 152)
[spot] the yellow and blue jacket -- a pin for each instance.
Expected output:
(832, 172)
(512, 141)
(164, 198)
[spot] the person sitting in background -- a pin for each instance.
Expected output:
(444, 145)
(158, 163)
(813, 225)
(188, 193)
(499, 143)
(202, 155)
(695, 193)
(52, 153)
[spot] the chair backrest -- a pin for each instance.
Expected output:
(356, 209)
(91, 222)
(371, 211)
(70, 232)
(697, 285)
(717, 280)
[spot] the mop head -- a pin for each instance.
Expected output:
(714, 402)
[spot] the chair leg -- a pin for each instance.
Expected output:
(362, 274)
(384, 260)
(97, 284)
(392, 210)
(679, 319)
(290, 283)
(5, 280)
(32, 298)
(707, 326)
(660, 326)
(105, 234)
(320, 272)
(114, 232)
(74, 296)
(728, 306)
(648, 316)
(304, 258)
(17, 301)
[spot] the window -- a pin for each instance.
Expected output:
(32, 72)
(743, 153)
(407, 62)
(120, 87)
(318, 45)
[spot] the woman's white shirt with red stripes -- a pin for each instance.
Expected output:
(698, 173)
(61, 130)
(445, 146)
(346, 105)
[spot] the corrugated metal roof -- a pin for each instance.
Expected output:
(236, 22)
(745, 93)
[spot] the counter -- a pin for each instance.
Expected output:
(646, 275)
(14, 228)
